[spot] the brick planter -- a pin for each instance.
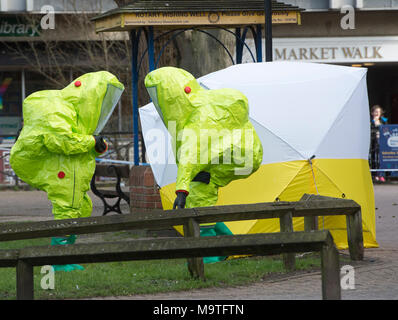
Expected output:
(144, 193)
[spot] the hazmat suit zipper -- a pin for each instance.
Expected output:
(74, 186)
(74, 173)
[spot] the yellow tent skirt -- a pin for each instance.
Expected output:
(288, 181)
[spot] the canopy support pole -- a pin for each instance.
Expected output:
(258, 39)
(135, 41)
(149, 36)
(151, 50)
(268, 30)
(238, 46)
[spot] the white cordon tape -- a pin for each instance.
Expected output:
(119, 161)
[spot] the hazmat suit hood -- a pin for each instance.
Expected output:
(166, 87)
(94, 97)
(55, 150)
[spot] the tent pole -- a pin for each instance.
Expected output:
(151, 50)
(239, 46)
(268, 30)
(151, 65)
(259, 51)
(135, 39)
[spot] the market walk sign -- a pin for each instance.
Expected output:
(332, 49)
(13, 27)
(325, 53)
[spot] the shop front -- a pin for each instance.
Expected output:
(13, 72)
(16, 83)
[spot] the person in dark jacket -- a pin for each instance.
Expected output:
(377, 119)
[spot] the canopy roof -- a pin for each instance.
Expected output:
(194, 13)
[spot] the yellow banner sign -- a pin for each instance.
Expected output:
(171, 18)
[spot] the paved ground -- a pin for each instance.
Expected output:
(375, 278)
(34, 206)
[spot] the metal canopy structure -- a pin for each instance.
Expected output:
(174, 17)
(173, 13)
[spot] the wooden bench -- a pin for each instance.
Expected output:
(260, 244)
(118, 171)
(309, 207)
(353, 219)
(192, 246)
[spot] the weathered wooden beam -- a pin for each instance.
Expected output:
(355, 236)
(8, 258)
(311, 197)
(325, 207)
(330, 266)
(305, 197)
(195, 265)
(161, 218)
(139, 220)
(262, 244)
(24, 280)
(310, 223)
(286, 225)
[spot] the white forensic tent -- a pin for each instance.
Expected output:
(313, 122)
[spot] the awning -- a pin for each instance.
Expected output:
(182, 13)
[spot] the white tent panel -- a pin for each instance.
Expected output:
(158, 146)
(349, 136)
(274, 148)
(271, 73)
(297, 102)
(298, 110)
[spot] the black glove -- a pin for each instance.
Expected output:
(100, 144)
(179, 202)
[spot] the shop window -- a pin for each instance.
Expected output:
(34, 81)
(10, 103)
(10, 93)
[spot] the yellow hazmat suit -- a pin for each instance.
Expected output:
(55, 151)
(214, 141)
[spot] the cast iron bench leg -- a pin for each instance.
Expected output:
(120, 195)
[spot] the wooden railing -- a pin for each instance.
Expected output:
(191, 246)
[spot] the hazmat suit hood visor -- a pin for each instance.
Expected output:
(111, 98)
(167, 88)
(153, 94)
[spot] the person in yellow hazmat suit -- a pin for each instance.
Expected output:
(214, 141)
(56, 149)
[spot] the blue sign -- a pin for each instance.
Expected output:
(388, 146)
